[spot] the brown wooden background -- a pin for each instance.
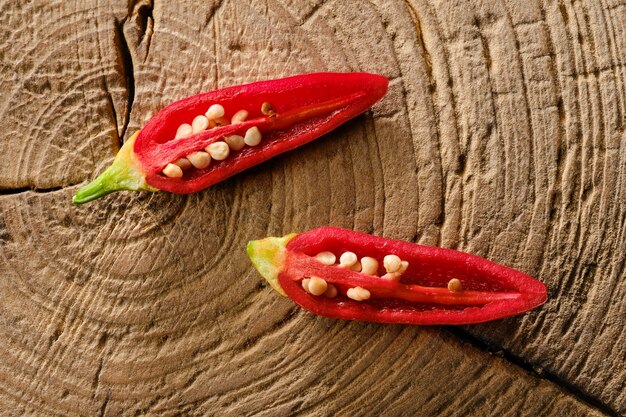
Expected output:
(503, 134)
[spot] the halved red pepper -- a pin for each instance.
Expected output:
(287, 112)
(436, 285)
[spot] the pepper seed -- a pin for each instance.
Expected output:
(305, 284)
(253, 136)
(218, 150)
(358, 294)
(235, 142)
(183, 163)
(183, 131)
(454, 285)
(317, 286)
(392, 263)
(239, 117)
(327, 258)
(267, 109)
(215, 111)
(199, 160)
(347, 259)
(199, 124)
(173, 171)
(369, 265)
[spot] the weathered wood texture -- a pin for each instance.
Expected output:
(502, 134)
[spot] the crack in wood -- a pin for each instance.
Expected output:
(420, 39)
(535, 371)
(126, 61)
(432, 88)
(311, 13)
(117, 142)
(211, 19)
(96, 379)
(140, 16)
(38, 190)
(143, 10)
(105, 403)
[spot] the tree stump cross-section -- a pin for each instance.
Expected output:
(502, 134)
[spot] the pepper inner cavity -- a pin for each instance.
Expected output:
(216, 151)
(394, 268)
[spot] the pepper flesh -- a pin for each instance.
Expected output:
(490, 291)
(304, 107)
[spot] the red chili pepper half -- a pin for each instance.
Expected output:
(349, 275)
(204, 139)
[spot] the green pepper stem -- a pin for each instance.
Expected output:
(268, 257)
(95, 189)
(124, 174)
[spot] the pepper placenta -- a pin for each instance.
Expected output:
(204, 139)
(349, 275)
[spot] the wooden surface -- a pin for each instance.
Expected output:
(503, 134)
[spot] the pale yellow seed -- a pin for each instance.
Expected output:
(218, 150)
(239, 117)
(317, 286)
(253, 136)
(183, 163)
(327, 258)
(455, 285)
(305, 284)
(369, 265)
(215, 111)
(347, 259)
(356, 267)
(199, 159)
(199, 124)
(352, 294)
(183, 131)
(331, 291)
(392, 263)
(173, 171)
(235, 142)
(358, 294)
(403, 267)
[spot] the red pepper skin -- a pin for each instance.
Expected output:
(307, 107)
(490, 291)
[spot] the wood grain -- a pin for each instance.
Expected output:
(502, 135)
